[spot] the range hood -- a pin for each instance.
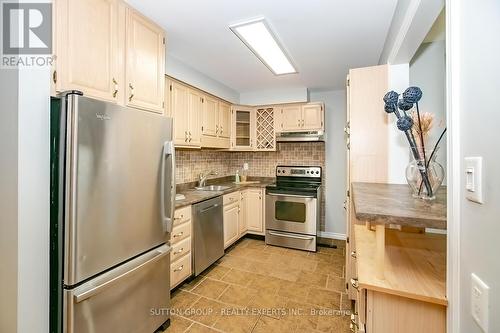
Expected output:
(300, 136)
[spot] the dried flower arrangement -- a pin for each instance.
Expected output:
(416, 135)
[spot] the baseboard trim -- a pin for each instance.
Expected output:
(332, 235)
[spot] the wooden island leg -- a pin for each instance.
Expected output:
(380, 255)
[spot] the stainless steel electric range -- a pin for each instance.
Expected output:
(293, 207)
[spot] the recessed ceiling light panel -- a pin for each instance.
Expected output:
(258, 37)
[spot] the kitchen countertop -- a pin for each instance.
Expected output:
(194, 196)
(394, 204)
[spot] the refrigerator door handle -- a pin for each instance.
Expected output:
(153, 257)
(167, 218)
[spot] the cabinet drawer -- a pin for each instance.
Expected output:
(180, 248)
(231, 198)
(180, 232)
(180, 270)
(181, 215)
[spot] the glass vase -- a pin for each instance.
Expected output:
(424, 174)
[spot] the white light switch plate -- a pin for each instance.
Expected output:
(474, 179)
(479, 302)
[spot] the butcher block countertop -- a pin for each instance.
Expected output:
(394, 204)
(415, 264)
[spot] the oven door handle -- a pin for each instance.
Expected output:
(291, 195)
(279, 234)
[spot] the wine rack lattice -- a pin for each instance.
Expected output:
(265, 138)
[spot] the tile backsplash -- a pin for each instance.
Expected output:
(190, 163)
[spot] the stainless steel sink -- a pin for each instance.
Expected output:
(213, 188)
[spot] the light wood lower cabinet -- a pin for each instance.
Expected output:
(243, 213)
(378, 312)
(253, 208)
(231, 225)
(181, 242)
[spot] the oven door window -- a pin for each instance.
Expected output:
(290, 211)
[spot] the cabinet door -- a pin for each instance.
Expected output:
(312, 117)
(291, 118)
(231, 234)
(210, 126)
(254, 210)
(195, 113)
(242, 223)
(145, 63)
(87, 48)
(179, 105)
(224, 120)
(243, 128)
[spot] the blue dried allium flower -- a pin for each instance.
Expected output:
(412, 95)
(405, 106)
(390, 108)
(405, 123)
(391, 97)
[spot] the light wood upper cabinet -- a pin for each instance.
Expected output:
(109, 51)
(210, 118)
(185, 107)
(254, 210)
(301, 117)
(291, 118)
(243, 128)
(179, 99)
(224, 120)
(195, 108)
(312, 116)
(87, 48)
(145, 63)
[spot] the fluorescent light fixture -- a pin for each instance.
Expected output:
(258, 37)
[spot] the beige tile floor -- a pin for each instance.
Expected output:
(261, 288)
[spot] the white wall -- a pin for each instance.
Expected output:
(274, 96)
(335, 160)
(8, 199)
(33, 200)
(428, 71)
(24, 200)
(398, 150)
(176, 68)
(478, 78)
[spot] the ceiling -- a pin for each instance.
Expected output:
(323, 37)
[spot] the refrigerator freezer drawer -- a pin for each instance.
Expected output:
(133, 297)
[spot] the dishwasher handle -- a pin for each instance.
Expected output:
(209, 208)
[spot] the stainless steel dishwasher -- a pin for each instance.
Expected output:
(208, 233)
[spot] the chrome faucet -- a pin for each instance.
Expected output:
(202, 180)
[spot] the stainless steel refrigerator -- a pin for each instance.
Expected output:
(112, 205)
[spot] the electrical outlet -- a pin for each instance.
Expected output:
(480, 302)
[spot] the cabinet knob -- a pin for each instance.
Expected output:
(180, 251)
(353, 255)
(131, 92)
(115, 92)
(354, 283)
(179, 269)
